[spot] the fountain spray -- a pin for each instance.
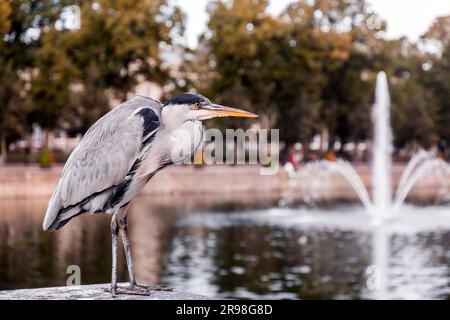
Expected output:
(382, 150)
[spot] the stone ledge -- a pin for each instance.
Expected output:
(91, 292)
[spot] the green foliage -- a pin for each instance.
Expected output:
(308, 70)
(300, 70)
(440, 88)
(313, 68)
(66, 77)
(21, 26)
(50, 91)
(123, 39)
(46, 159)
(117, 43)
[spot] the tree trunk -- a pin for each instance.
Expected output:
(46, 140)
(29, 148)
(3, 149)
(331, 142)
(324, 140)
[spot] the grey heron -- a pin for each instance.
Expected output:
(119, 154)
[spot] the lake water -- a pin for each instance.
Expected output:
(237, 247)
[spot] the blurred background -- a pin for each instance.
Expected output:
(306, 67)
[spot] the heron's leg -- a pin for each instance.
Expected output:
(114, 233)
(123, 226)
(120, 225)
(134, 288)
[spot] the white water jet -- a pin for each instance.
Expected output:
(346, 170)
(412, 165)
(417, 174)
(382, 151)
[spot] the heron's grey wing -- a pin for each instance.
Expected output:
(102, 159)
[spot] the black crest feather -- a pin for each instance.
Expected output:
(188, 98)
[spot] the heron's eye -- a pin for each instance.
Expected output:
(197, 105)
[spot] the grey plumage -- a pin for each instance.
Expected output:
(102, 160)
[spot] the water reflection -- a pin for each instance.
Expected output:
(243, 261)
(234, 247)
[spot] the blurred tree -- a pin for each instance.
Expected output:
(5, 71)
(88, 101)
(439, 76)
(303, 69)
(439, 32)
(310, 69)
(71, 72)
(413, 119)
(21, 26)
(349, 31)
(238, 47)
(118, 43)
(441, 88)
(263, 63)
(51, 84)
(12, 107)
(5, 22)
(413, 105)
(440, 85)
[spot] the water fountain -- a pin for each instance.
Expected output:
(382, 205)
(382, 152)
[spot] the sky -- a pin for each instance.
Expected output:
(410, 18)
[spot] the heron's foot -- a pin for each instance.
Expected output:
(112, 290)
(136, 289)
(150, 287)
(128, 290)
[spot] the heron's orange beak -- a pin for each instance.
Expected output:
(222, 111)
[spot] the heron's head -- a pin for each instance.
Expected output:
(192, 106)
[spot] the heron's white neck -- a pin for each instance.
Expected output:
(185, 140)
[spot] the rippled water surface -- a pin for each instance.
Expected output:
(238, 248)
